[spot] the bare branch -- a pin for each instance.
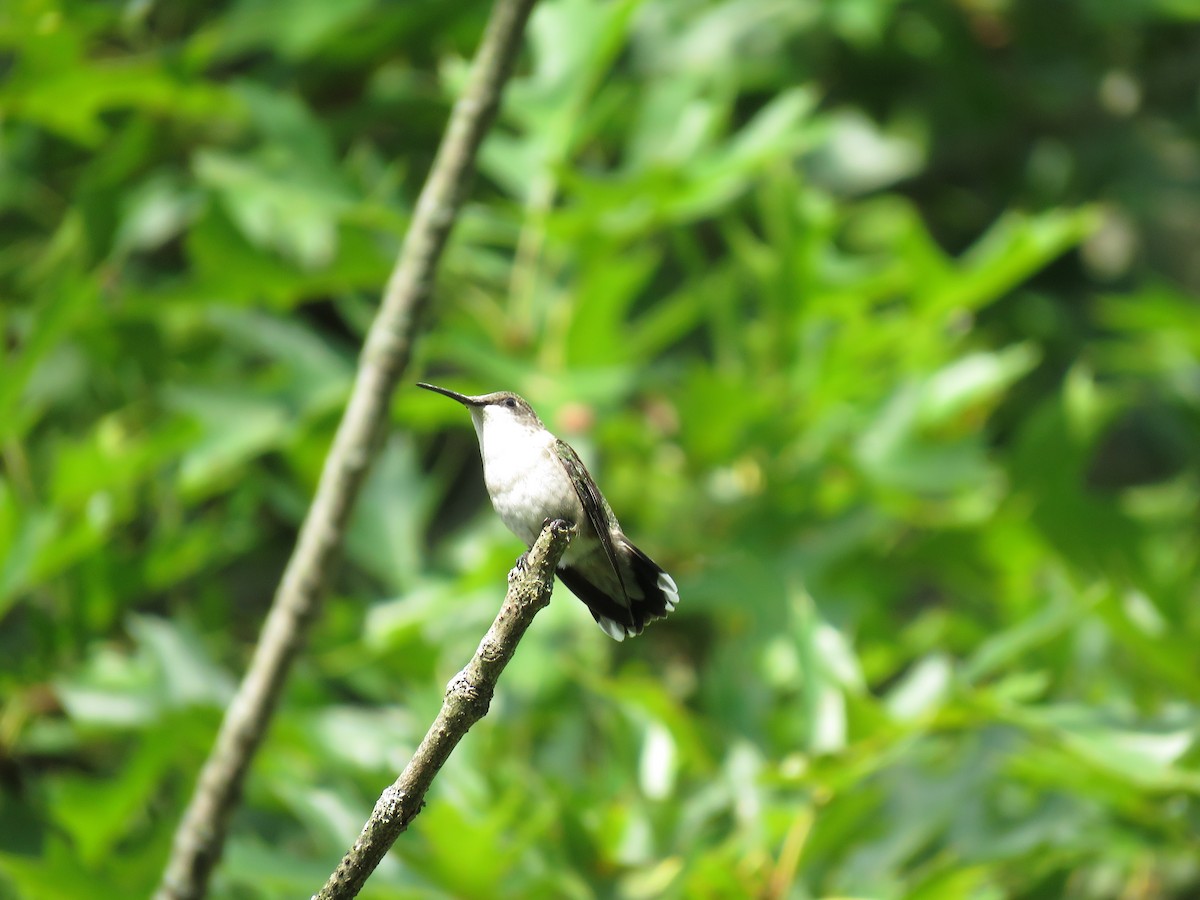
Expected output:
(200, 835)
(467, 698)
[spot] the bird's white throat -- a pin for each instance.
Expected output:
(524, 477)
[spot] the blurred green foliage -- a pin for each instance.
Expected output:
(876, 321)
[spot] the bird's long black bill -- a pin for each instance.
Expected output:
(453, 395)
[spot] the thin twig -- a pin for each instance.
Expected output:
(467, 698)
(200, 835)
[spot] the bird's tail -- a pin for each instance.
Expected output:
(650, 593)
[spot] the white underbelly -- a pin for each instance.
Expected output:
(528, 488)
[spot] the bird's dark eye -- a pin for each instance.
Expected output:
(510, 403)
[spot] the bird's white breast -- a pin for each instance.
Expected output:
(524, 477)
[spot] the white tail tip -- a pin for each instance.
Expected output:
(614, 630)
(666, 584)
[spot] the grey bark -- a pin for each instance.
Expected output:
(200, 835)
(468, 696)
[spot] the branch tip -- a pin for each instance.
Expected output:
(466, 701)
(200, 835)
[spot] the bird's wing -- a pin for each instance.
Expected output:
(594, 504)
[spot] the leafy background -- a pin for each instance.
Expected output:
(877, 321)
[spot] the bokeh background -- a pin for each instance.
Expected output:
(877, 322)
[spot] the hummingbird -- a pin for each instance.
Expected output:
(532, 477)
